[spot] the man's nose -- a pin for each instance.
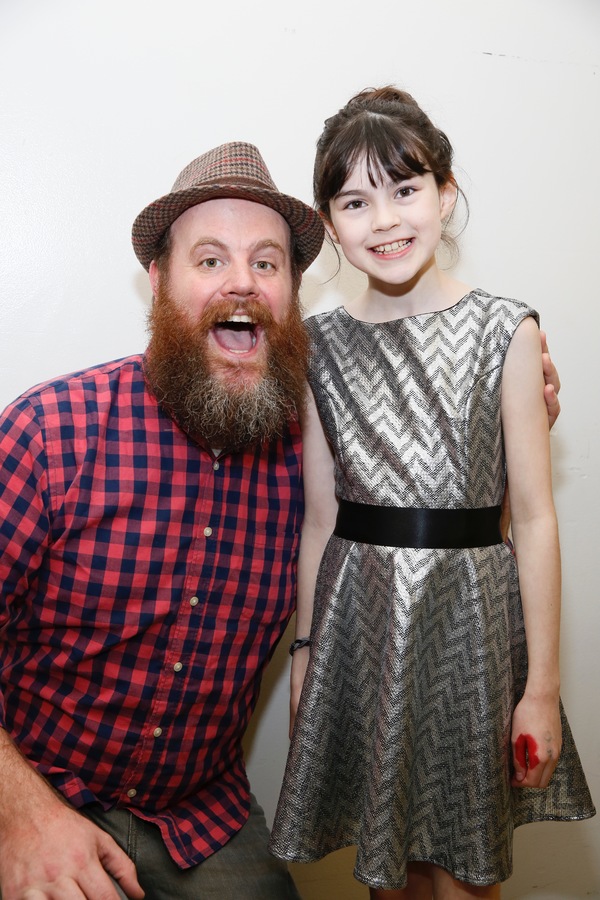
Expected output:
(240, 280)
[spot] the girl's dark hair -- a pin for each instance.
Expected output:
(387, 128)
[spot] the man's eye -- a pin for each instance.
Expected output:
(264, 264)
(211, 263)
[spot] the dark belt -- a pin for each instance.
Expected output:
(392, 526)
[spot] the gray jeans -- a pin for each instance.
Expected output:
(242, 870)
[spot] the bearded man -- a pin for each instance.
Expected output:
(149, 518)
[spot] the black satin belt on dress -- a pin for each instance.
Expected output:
(391, 526)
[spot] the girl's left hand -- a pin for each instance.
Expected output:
(536, 741)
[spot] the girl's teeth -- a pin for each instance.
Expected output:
(390, 248)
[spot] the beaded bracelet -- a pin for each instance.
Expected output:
(298, 644)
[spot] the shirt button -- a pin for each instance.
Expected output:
(194, 601)
(207, 531)
(178, 666)
(157, 732)
(216, 465)
(131, 792)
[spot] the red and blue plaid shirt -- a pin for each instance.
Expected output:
(144, 586)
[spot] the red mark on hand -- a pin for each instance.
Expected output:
(526, 751)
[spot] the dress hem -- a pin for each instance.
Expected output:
(397, 885)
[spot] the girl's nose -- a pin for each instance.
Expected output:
(385, 216)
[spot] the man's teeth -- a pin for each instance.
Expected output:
(245, 319)
(391, 248)
(237, 338)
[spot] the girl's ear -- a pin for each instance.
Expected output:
(329, 228)
(448, 197)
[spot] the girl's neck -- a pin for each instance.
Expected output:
(431, 292)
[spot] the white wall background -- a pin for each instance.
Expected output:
(102, 102)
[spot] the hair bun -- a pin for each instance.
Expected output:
(386, 94)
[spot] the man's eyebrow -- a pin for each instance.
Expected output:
(215, 242)
(211, 241)
(269, 242)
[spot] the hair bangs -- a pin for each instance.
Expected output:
(390, 153)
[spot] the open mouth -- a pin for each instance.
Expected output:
(237, 334)
(393, 247)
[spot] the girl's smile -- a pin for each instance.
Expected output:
(394, 248)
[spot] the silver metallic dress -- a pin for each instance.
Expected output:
(401, 744)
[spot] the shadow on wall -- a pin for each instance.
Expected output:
(329, 879)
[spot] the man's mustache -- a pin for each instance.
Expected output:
(220, 312)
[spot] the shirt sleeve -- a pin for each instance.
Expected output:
(24, 502)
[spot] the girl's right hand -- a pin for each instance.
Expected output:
(299, 666)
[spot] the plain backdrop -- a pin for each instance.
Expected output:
(103, 103)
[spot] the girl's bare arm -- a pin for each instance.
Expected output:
(319, 521)
(536, 732)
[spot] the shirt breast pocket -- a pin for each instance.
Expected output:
(261, 579)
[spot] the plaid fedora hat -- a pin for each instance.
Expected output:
(231, 170)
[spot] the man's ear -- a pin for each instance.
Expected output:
(154, 277)
(329, 228)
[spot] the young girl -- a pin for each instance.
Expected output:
(430, 723)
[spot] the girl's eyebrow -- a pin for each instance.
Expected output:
(351, 191)
(391, 183)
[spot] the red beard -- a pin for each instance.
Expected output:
(228, 404)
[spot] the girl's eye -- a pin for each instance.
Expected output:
(405, 191)
(211, 262)
(355, 204)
